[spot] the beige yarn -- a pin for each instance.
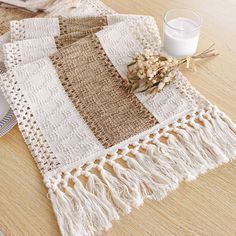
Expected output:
(87, 74)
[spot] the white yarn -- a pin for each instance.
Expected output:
(60, 118)
(34, 28)
(152, 175)
(26, 51)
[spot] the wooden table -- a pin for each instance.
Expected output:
(206, 206)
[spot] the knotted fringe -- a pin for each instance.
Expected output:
(87, 198)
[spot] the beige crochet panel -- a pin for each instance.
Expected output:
(75, 24)
(96, 90)
(67, 39)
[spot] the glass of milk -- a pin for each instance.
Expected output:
(181, 32)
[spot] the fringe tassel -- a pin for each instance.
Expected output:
(150, 169)
(96, 187)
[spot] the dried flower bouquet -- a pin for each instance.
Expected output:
(150, 72)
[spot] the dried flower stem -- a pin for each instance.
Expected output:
(150, 72)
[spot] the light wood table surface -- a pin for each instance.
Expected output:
(206, 206)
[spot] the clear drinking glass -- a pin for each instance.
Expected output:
(181, 32)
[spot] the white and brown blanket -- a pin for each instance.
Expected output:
(100, 149)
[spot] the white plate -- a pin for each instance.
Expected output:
(7, 118)
(7, 123)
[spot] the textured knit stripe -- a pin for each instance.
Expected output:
(95, 88)
(34, 28)
(67, 39)
(74, 24)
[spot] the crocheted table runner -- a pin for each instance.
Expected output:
(100, 149)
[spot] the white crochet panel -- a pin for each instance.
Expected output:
(121, 42)
(26, 51)
(34, 28)
(65, 131)
(124, 39)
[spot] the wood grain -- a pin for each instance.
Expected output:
(206, 206)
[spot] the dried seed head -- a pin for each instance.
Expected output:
(167, 79)
(161, 85)
(162, 63)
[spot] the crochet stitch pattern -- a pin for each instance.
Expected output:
(96, 90)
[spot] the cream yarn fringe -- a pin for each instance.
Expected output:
(149, 168)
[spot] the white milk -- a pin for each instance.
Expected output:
(4, 107)
(182, 39)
